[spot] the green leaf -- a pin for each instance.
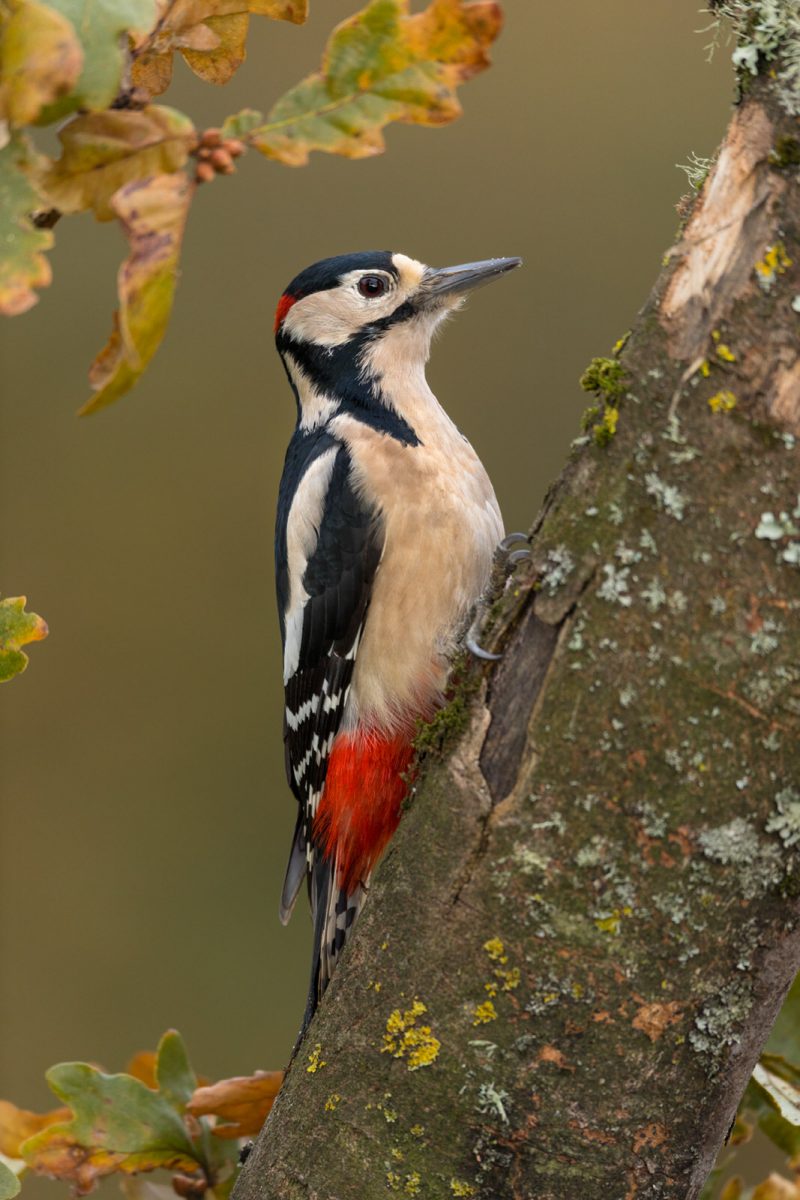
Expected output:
(174, 1074)
(242, 123)
(17, 628)
(104, 151)
(9, 1184)
(785, 1036)
(101, 26)
(153, 215)
(382, 65)
(23, 266)
(40, 59)
(119, 1124)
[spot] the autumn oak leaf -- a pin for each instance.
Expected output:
(153, 214)
(241, 1104)
(23, 266)
(18, 1124)
(100, 26)
(40, 59)
(17, 628)
(117, 1124)
(101, 152)
(210, 34)
(384, 64)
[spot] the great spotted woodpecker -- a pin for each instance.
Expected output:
(386, 529)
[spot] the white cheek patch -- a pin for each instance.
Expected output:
(315, 407)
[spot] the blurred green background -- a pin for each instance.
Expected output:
(145, 817)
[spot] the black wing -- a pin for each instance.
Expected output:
(337, 578)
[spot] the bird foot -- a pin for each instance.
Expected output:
(506, 559)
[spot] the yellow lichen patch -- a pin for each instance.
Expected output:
(417, 1130)
(397, 1154)
(773, 264)
(496, 950)
(332, 1101)
(460, 1187)
(509, 977)
(393, 1181)
(484, 1013)
(412, 1184)
(605, 429)
(315, 1060)
(374, 985)
(611, 923)
(404, 1038)
(722, 401)
(705, 368)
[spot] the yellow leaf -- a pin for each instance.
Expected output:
(219, 63)
(18, 1124)
(153, 215)
(776, 1187)
(40, 59)
(382, 65)
(243, 1102)
(104, 151)
(17, 628)
(23, 266)
(210, 34)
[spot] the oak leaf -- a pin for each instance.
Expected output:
(153, 215)
(23, 266)
(117, 1124)
(101, 26)
(18, 1124)
(210, 34)
(383, 64)
(17, 628)
(241, 1104)
(101, 152)
(9, 1183)
(40, 59)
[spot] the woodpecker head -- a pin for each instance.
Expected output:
(354, 331)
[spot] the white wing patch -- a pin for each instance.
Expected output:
(302, 531)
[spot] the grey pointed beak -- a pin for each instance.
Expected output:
(447, 281)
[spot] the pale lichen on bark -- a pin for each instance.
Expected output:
(592, 905)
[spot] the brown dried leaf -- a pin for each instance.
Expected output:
(242, 1103)
(210, 34)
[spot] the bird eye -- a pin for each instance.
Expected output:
(371, 286)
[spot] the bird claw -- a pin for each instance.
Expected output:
(505, 559)
(479, 651)
(510, 539)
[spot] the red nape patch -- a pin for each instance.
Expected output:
(284, 304)
(360, 806)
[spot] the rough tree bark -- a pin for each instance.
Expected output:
(583, 931)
